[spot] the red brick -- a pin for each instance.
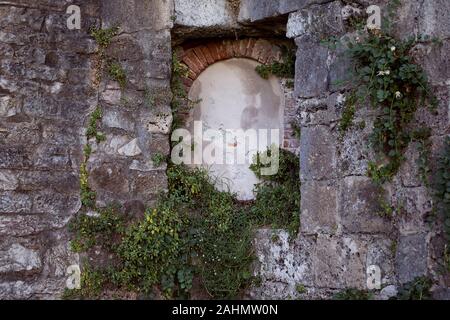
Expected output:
(236, 45)
(228, 44)
(250, 46)
(207, 54)
(201, 57)
(214, 51)
(243, 48)
(223, 54)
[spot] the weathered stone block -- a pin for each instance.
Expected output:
(16, 157)
(8, 180)
(411, 259)
(147, 185)
(17, 258)
(319, 21)
(416, 204)
(317, 154)
(283, 260)
(109, 176)
(56, 204)
(114, 118)
(311, 68)
(354, 151)
(319, 213)
(360, 208)
(146, 14)
(380, 253)
(254, 10)
(199, 13)
(15, 202)
(340, 263)
(318, 111)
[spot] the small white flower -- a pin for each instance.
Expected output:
(384, 73)
(398, 94)
(393, 49)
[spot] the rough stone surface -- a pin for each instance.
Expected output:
(319, 210)
(360, 207)
(198, 13)
(411, 259)
(49, 87)
(318, 159)
(311, 68)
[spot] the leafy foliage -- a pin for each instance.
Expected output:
(117, 73)
(194, 230)
(387, 76)
(278, 196)
(353, 294)
(158, 159)
(104, 36)
(348, 114)
(418, 289)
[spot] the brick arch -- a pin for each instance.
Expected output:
(200, 57)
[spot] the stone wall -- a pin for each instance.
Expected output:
(341, 232)
(49, 88)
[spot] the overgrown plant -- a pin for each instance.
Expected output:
(194, 231)
(386, 76)
(88, 196)
(283, 69)
(278, 196)
(418, 289)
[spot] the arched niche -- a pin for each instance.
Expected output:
(230, 97)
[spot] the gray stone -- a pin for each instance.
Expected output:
(360, 207)
(199, 13)
(320, 111)
(111, 176)
(8, 180)
(15, 202)
(311, 68)
(380, 253)
(147, 185)
(146, 14)
(388, 292)
(354, 151)
(319, 207)
(317, 154)
(339, 262)
(131, 149)
(435, 19)
(282, 260)
(114, 118)
(320, 21)
(411, 259)
(416, 204)
(19, 259)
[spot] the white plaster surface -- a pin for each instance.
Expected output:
(232, 96)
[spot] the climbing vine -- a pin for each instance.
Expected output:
(387, 77)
